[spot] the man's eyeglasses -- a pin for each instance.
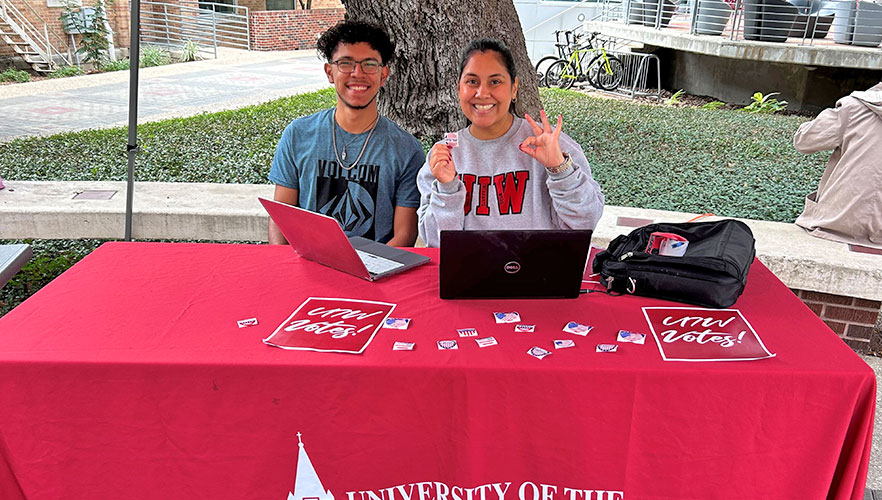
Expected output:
(369, 66)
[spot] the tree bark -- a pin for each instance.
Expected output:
(430, 36)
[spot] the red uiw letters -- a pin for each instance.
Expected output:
(510, 189)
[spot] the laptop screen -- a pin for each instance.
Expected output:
(513, 264)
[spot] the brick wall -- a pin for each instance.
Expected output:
(290, 29)
(117, 15)
(857, 321)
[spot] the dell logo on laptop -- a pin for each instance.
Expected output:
(512, 267)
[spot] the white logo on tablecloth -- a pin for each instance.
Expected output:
(307, 485)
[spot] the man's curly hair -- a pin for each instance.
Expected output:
(351, 32)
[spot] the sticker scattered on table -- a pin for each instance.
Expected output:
(467, 332)
(577, 328)
(607, 348)
(397, 323)
(634, 338)
(403, 346)
(525, 328)
(486, 342)
(563, 344)
(447, 345)
(506, 317)
(538, 352)
(247, 322)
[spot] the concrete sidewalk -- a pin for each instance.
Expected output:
(235, 79)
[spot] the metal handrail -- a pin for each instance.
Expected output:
(173, 24)
(795, 22)
(31, 34)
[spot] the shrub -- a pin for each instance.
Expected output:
(14, 75)
(66, 71)
(152, 55)
(93, 43)
(189, 52)
(764, 104)
(675, 97)
(118, 65)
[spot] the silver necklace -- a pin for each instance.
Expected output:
(363, 148)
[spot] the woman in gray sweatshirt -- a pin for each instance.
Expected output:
(502, 171)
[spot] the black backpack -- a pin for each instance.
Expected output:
(712, 272)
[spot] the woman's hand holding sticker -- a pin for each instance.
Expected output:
(441, 163)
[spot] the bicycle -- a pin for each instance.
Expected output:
(604, 71)
(564, 50)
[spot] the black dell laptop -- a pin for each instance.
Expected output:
(513, 264)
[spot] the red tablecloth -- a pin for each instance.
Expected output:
(128, 377)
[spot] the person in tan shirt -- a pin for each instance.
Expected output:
(847, 206)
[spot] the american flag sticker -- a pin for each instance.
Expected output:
(607, 348)
(506, 317)
(577, 328)
(525, 328)
(634, 338)
(467, 332)
(486, 342)
(397, 323)
(563, 344)
(451, 139)
(403, 346)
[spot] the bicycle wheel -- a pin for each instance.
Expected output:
(603, 77)
(560, 74)
(542, 68)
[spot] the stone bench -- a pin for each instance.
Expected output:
(842, 286)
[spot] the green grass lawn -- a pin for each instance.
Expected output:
(730, 163)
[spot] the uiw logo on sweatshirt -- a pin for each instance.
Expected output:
(509, 188)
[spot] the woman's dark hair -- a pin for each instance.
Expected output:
(486, 45)
(351, 32)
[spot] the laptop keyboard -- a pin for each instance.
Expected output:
(376, 264)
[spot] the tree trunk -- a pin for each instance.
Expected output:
(430, 36)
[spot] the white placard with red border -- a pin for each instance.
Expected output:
(701, 334)
(331, 325)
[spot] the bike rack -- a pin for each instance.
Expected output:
(636, 81)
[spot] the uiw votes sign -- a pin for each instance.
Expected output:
(699, 334)
(331, 325)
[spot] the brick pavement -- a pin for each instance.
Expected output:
(237, 78)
